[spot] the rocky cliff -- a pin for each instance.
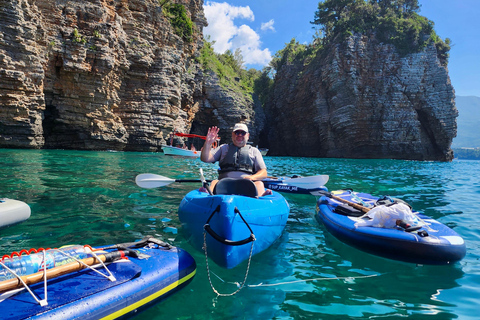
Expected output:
(114, 74)
(105, 74)
(360, 99)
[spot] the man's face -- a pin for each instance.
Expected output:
(240, 138)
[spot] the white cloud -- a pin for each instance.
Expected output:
(249, 42)
(228, 36)
(268, 26)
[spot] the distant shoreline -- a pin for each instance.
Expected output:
(466, 153)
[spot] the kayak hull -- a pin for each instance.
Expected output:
(265, 216)
(174, 151)
(13, 212)
(87, 295)
(434, 243)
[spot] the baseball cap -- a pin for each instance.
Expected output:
(240, 126)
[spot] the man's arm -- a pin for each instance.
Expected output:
(257, 176)
(212, 135)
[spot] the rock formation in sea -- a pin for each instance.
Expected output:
(116, 74)
(363, 100)
(106, 74)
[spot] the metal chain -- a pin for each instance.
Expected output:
(208, 269)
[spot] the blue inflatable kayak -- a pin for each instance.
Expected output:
(232, 223)
(430, 242)
(152, 272)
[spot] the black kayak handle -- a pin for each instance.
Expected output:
(226, 241)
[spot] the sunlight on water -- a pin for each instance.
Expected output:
(91, 198)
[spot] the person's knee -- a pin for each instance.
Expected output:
(260, 187)
(213, 183)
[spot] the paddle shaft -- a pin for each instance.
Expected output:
(351, 204)
(33, 278)
(150, 180)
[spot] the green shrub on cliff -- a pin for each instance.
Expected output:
(179, 20)
(394, 21)
(294, 51)
(229, 68)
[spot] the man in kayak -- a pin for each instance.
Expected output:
(237, 159)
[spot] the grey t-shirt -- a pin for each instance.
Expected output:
(253, 153)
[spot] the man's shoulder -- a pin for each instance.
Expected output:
(254, 150)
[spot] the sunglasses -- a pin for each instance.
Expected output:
(240, 133)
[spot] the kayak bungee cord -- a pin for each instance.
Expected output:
(98, 257)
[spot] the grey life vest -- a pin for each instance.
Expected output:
(237, 159)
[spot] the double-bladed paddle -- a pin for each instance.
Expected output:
(312, 182)
(351, 204)
(150, 180)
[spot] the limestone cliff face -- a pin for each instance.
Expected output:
(223, 107)
(362, 100)
(112, 74)
(99, 74)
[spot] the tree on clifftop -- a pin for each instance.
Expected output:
(393, 21)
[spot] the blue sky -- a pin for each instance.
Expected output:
(262, 27)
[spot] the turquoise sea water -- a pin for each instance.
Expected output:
(91, 198)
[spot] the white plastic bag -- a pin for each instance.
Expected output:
(387, 216)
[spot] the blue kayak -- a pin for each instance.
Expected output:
(231, 223)
(152, 272)
(430, 242)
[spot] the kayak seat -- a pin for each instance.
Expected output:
(241, 187)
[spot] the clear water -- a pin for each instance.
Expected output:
(80, 197)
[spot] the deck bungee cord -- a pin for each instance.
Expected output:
(46, 264)
(20, 281)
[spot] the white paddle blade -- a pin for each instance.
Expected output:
(150, 180)
(318, 193)
(202, 177)
(308, 182)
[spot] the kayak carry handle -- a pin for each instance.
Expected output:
(226, 241)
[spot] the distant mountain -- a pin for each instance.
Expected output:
(468, 122)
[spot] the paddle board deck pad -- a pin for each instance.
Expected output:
(431, 242)
(87, 295)
(13, 212)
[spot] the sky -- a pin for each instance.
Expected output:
(262, 27)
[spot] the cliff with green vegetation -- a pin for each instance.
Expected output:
(374, 85)
(116, 74)
(122, 75)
